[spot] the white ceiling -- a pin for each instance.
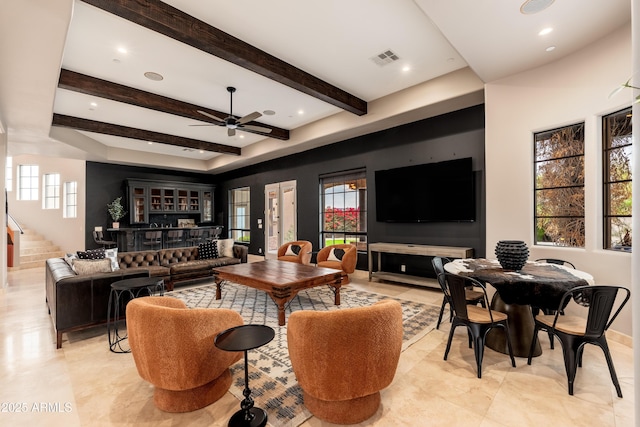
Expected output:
(332, 40)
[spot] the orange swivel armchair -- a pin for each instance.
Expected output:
(298, 251)
(173, 349)
(341, 257)
(343, 358)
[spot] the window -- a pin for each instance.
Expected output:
(27, 182)
(239, 214)
(8, 183)
(617, 161)
(51, 191)
(559, 186)
(343, 204)
(70, 206)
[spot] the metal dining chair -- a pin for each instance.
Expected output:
(576, 331)
(478, 320)
(556, 261)
(473, 297)
(152, 239)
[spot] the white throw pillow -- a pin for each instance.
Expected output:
(112, 255)
(225, 247)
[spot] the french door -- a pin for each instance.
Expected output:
(281, 214)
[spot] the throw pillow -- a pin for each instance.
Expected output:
(70, 258)
(92, 266)
(225, 247)
(208, 250)
(335, 254)
(112, 255)
(91, 254)
(293, 250)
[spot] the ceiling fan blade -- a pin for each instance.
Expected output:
(211, 116)
(231, 132)
(249, 117)
(210, 124)
(256, 128)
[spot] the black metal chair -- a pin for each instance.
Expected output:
(536, 310)
(472, 297)
(98, 237)
(556, 261)
(196, 236)
(576, 331)
(478, 320)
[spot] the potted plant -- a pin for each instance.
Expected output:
(116, 210)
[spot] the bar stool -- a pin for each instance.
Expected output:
(195, 237)
(153, 239)
(174, 238)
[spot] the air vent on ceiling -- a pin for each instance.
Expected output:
(384, 58)
(530, 7)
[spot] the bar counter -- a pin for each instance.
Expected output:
(136, 239)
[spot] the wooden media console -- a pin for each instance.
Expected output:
(409, 249)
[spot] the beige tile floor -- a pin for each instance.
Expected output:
(83, 384)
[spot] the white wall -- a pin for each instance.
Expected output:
(68, 233)
(3, 216)
(568, 91)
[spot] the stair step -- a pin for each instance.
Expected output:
(35, 243)
(38, 250)
(40, 257)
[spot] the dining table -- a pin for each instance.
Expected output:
(537, 284)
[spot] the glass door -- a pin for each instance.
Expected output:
(138, 200)
(281, 214)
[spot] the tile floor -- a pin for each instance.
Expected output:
(83, 384)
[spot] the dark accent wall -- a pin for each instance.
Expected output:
(106, 181)
(454, 135)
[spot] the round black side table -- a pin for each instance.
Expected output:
(131, 288)
(244, 338)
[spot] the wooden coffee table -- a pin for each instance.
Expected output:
(282, 280)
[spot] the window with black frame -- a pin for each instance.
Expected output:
(239, 214)
(617, 180)
(343, 209)
(559, 186)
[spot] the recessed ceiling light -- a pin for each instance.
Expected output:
(530, 7)
(545, 31)
(122, 50)
(201, 151)
(150, 143)
(153, 76)
(406, 68)
(550, 48)
(241, 136)
(300, 112)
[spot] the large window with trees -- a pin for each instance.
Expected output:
(343, 204)
(239, 214)
(559, 186)
(617, 161)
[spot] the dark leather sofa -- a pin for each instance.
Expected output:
(77, 302)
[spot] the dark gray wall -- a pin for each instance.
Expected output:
(454, 135)
(106, 181)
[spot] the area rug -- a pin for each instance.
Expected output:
(271, 379)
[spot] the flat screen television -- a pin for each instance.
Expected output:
(430, 192)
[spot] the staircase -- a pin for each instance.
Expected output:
(34, 250)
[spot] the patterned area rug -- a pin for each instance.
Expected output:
(271, 379)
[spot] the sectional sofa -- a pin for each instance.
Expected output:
(78, 301)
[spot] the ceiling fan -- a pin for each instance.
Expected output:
(232, 123)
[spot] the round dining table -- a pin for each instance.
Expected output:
(537, 284)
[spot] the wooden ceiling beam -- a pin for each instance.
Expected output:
(141, 134)
(165, 19)
(93, 86)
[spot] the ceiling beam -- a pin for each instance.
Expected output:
(88, 85)
(165, 19)
(141, 134)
